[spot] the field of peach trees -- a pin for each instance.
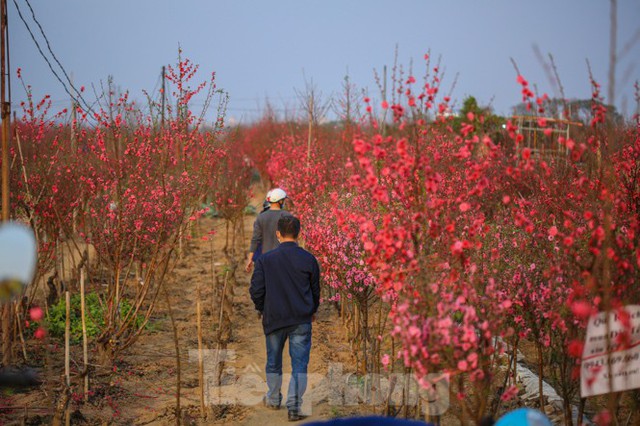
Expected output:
(449, 245)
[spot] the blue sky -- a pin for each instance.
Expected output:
(266, 49)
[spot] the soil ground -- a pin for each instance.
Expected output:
(140, 390)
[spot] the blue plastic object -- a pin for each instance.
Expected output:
(523, 417)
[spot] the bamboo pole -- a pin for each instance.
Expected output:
(164, 97)
(540, 377)
(613, 60)
(6, 116)
(85, 353)
(200, 361)
(21, 334)
(6, 113)
(224, 291)
(406, 393)
(24, 169)
(176, 344)
(217, 363)
(392, 380)
(67, 335)
(310, 129)
(214, 288)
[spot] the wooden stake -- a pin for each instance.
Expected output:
(224, 291)
(6, 116)
(540, 378)
(6, 112)
(310, 128)
(214, 287)
(219, 346)
(164, 97)
(200, 361)
(24, 346)
(613, 30)
(85, 353)
(67, 335)
(176, 344)
(406, 393)
(74, 118)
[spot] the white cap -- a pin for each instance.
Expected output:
(276, 195)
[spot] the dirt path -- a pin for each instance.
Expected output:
(149, 375)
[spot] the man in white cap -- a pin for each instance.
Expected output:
(265, 226)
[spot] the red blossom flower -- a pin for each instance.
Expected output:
(581, 308)
(510, 393)
(40, 333)
(464, 206)
(36, 313)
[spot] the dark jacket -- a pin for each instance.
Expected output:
(285, 286)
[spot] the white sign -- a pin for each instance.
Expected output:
(607, 364)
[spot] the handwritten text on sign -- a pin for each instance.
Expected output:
(611, 357)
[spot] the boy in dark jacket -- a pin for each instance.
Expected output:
(285, 289)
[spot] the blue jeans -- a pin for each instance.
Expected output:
(299, 348)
